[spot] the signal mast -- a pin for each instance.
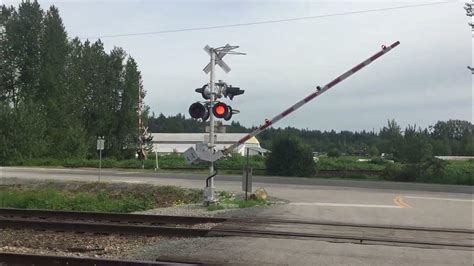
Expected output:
(205, 153)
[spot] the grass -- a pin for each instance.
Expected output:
(455, 172)
(349, 163)
(229, 201)
(165, 162)
(100, 197)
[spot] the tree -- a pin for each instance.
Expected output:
(25, 44)
(65, 133)
(414, 148)
(8, 60)
(289, 157)
(390, 136)
(57, 95)
(127, 130)
(334, 153)
(373, 151)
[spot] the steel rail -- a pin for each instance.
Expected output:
(101, 228)
(35, 259)
(356, 239)
(112, 217)
(190, 220)
(113, 228)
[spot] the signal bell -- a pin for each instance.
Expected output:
(222, 110)
(198, 110)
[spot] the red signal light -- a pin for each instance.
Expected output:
(221, 110)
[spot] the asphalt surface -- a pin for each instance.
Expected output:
(109, 173)
(366, 202)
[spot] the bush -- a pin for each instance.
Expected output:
(334, 153)
(347, 163)
(289, 157)
(432, 171)
(378, 161)
(393, 172)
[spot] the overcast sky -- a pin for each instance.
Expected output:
(423, 80)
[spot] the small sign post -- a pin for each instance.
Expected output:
(247, 177)
(100, 148)
(156, 158)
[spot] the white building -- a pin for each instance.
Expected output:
(166, 143)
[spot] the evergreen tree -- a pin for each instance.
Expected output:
(64, 130)
(127, 127)
(25, 44)
(8, 60)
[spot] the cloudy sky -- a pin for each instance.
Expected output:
(423, 80)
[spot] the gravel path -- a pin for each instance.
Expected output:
(73, 244)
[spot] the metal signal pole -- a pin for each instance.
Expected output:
(216, 55)
(211, 123)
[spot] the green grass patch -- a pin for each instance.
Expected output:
(99, 197)
(228, 200)
(453, 172)
(349, 163)
(165, 162)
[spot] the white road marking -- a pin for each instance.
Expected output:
(343, 205)
(429, 198)
(126, 173)
(127, 181)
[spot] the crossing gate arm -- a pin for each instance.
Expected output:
(319, 91)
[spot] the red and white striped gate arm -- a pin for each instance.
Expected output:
(313, 95)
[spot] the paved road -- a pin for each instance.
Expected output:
(315, 199)
(121, 174)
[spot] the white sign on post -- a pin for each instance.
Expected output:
(100, 144)
(100, 148)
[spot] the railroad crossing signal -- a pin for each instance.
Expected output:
(210, 109)
(199, 110)
(222, 90)
(202, 110)
(219, 56)
(204, 91)
(222, 110)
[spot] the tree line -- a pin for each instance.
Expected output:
(58, 94)
(452, 137)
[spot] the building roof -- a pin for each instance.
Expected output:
(179, 142)
(224, 138)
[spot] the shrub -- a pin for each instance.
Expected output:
(393, 172)
(289, 157)
(334, 153)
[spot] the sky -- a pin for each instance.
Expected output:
(423, 80)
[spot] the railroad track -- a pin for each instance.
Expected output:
(7, 258)
(152, 225)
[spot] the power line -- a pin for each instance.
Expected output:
(263, 22)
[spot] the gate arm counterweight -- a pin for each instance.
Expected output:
(313, 95)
